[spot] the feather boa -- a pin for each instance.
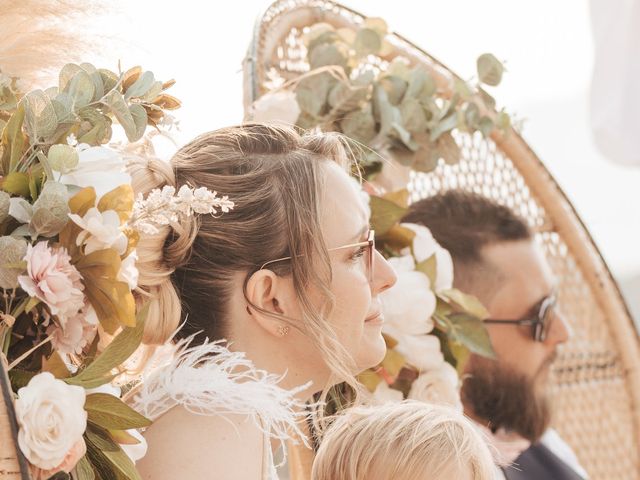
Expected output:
(209, 379)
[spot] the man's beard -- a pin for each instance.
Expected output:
(507, 399)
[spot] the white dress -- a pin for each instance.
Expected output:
(209, 379)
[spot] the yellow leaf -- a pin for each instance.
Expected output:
(55, 365)
(16, 183)
(469, 303)
(398, 237)
(399, 197)
(119, 199)
(167, 102)
(112, 299)
(130, 77)
(393, 363)
(78, 204)
(122, 437)
(370, 379)
(14, 142)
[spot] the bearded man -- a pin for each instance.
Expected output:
(496, 258)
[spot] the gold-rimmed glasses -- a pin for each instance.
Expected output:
(369, 245)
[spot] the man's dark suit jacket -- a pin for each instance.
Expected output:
(539, 463)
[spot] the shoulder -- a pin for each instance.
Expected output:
(187, 445)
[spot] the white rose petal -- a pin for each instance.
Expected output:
(101, 230)
(384, 394)
(409, 304)
(439, 386)
(128, 271)
(402, 264)
(424, 247)
(51, 419)
(99, 167)
(279, 107)
(421, 351)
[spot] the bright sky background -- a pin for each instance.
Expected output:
(546, 44)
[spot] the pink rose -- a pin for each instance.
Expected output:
(78, 331)
(70, 460)
(51, 278)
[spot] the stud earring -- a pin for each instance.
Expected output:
(283, 330)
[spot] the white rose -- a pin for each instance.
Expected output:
(421, 351)
(128, 271)
(99, 167)
(438, 386)
(51, 419)
(425, 246)
(279, 107)
(384, 394)
(402, 264)
(100, 230)
(409, 304)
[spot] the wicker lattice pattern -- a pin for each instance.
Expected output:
(594, 383)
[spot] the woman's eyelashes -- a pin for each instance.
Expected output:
(358, 254)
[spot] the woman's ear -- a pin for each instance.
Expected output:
(273, 297)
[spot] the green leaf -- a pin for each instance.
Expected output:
(81, 88)
(470, 331)
(461, 355)
(67, 73)
(447, 124)
(63, 158)
(485, 126)
(139, 115)
(393, 363)
(12, 251)
(359, 125)
(16, 183)
(312, 92)
(121, 348)
(40, 120)
(385, 214)
(469, 303)
(109, 79)
(51, 210)
(83, 470)
(369, 379)
(115, 101)
(14, 142)
(395, 87)
(344, 98)
(414, 118)
(328, 54)
(430, 268)
(490, 69)
(141, 86)
(110, 412)
(367, 42)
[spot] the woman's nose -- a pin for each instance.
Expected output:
(384, 277)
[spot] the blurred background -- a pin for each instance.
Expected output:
(547, 46)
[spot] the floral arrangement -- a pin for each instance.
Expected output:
(399, 112)
(69, 225)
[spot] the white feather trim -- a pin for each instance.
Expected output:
(209, 379)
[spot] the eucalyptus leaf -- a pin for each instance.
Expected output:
(139, 115)
(448, 149)
(20, 209)
(120, 109)
(490, 69)
(63, 107)
(395, 87)
(368, 42)
(67, 73)
(81, 89)
(312, 92)
(14, 143)
(486, 126)
(445, 125)
(344, 98)
(425, 159)
(63, 158)
(413, 117)
(12, 252)
(503, 121)
(5, 203)
(377, 24)
(328, 54)
(51, 210)
(487, 99)
(109, 79)
(40, 120)
(359, 125)
(141, 86)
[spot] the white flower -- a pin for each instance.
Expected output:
(439, 386)
(425, 246)
(402, 264)
(276, 107)
(409, 304)
(99, 167)
(421, 351)
(128, 271)
(135, 451)
(164, 207)
(100, 230)
(51, 419)
(384, 394)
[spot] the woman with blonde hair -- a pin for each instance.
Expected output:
(290, 277)
(408, 440)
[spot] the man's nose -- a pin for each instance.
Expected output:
(560, 331)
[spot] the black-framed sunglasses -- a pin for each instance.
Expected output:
(369, 245)
(540, 322)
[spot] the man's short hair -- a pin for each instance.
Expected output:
(465, 222)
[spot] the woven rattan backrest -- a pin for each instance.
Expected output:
(595, 382)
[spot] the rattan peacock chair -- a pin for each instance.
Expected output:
(595, 382)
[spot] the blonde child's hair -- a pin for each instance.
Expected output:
(408, 440)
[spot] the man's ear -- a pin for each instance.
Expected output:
(272, 296)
